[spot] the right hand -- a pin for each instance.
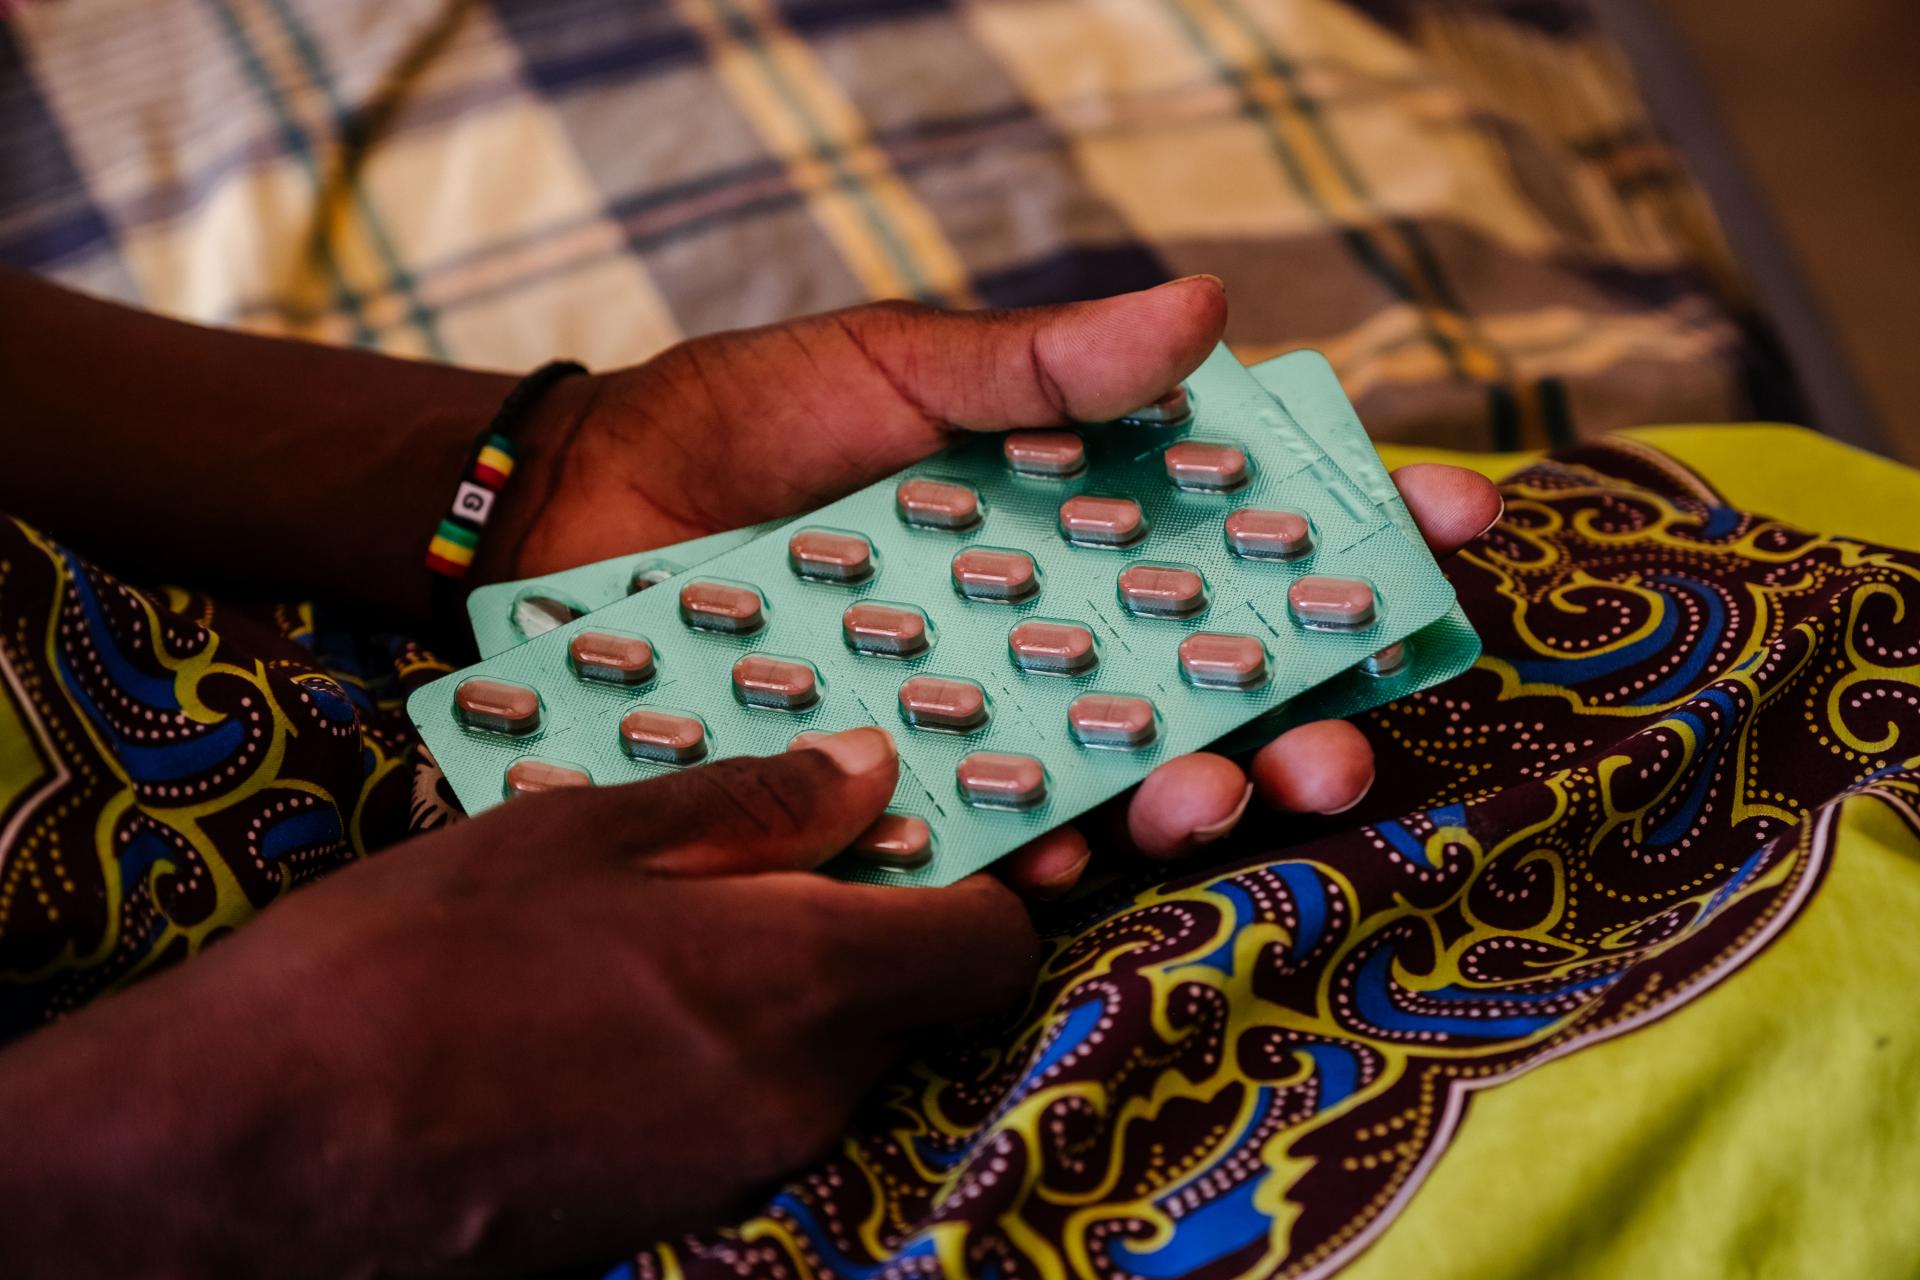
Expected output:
(540, 1037)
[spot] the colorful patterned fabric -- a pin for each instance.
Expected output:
(1680, 783)
(170, 765)
(1682, 778)
(1462, 202)
(1253, 1069)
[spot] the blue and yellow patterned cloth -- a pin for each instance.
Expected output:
(1610, 975)
(169, 765)
(1660, 841)
(1688, 719)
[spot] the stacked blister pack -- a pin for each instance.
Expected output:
(1040, 619)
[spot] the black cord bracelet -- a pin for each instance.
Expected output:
(457, 538)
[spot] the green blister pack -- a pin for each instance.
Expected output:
(1306, 385)
(507, 614)
(510, 614)
(1040, 618)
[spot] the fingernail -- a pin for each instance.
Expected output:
(1056, 886)
(1498, 516)
(1204, 275)
(1362, 795)
(855, 751)
(1214, 830)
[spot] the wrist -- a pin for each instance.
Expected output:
(543, 448)
(434, 444)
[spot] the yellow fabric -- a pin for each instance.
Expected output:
(1767, 1128)
(1798, 475)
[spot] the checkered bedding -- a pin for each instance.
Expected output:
(1461, 202)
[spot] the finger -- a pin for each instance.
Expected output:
(1324, 767)
(1452, 505)
(920, 957)
(1186, 804)
(1039, 366)
(1048, 867)
(786, 812)
(796, 414)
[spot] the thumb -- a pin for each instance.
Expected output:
(742, 426)
(774, 813)
(1041, 366)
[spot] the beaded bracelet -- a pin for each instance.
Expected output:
(457, 538)
(450, 554)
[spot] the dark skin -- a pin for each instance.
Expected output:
(323, 469)
(495, 1054)
(543, 1036)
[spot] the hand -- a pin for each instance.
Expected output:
(540, 1037)
(727, 430)
(735, 428)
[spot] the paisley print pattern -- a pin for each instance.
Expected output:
(169, 766)
(1249, 1070)
(1244, 1070)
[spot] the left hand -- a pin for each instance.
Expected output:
(735, 428)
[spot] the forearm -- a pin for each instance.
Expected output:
(151, 1138)
(182, 453)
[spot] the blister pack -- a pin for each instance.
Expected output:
(507, 614)
(1307, 387)
(1040, 618)
(511, 613)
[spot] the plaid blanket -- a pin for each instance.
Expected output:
(1462, 202)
